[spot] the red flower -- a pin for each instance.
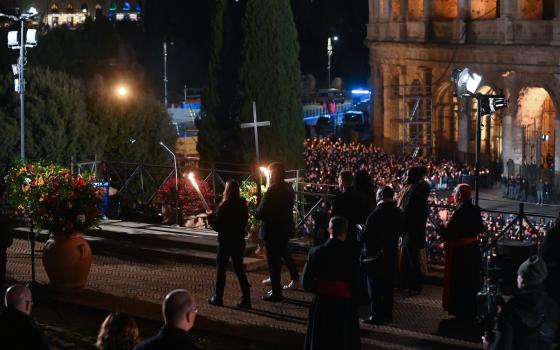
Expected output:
(80, 182)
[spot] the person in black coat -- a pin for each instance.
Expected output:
(179, 314)
(277, 225)
(351, 205)
(550, 252)
(230, 221)
(331, 273)
(414, 203)
(462, 256)
(380, 240)
(18, 330)
(529, 320)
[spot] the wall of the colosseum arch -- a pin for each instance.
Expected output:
(484, 9)
(445, 121)
(444, 10)
(530, 9)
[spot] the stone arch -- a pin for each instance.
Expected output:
(484, 9)
(537, 117)
(55, 8)
(445, 10)
(445, 121)
(69, 8)
(530, 9)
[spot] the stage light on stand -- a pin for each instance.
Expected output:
(466, 82)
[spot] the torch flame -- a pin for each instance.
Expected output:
(193, 180)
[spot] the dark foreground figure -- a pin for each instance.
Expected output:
(277, 225)
(179, 314)
(379, 254)
(529, 320)
(462, 256)
(17, 329)
(331, 273)
(230, 221)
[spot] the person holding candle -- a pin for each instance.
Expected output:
(230, 221)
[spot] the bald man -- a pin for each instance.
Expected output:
(17, 329)
(179, 313)
(462, 256)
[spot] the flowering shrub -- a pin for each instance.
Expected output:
(189, 202)
(249, 192)
(53, 199)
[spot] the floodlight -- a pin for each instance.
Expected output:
(15, 69)
(31, 38)
(32, 10)
(335, 38)
(489, 104)
(545, 137)
(16, 85)
(13, 41)
(466, 82)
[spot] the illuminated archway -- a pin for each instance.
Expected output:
(445, 10)
(537, 117)
(54, 7)
(445, 121)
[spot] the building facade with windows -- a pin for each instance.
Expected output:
(514, 44)
(74, 12)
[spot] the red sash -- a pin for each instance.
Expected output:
(337, 289)
(449, 247)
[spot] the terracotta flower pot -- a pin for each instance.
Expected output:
(67, 261)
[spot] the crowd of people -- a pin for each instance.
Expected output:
(325, 158)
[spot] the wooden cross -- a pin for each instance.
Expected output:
(255, 125)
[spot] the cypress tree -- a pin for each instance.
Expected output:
(270, 75)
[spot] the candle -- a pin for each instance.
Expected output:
(195, 185)
(266, 173)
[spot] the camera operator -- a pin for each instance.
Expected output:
(529, 320)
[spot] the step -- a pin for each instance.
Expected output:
(153, 246)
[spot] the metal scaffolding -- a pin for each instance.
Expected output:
(416, 111)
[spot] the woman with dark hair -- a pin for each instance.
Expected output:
(230, 221)
(118, 332)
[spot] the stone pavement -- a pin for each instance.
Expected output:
(136, 283)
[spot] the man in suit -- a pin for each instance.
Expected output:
(179, 314)
(18, 330)
(276, 214)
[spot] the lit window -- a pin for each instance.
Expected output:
(54, 8)
(69, 8)
(126, 6)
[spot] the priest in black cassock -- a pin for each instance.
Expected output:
(331, 273)
(462, 256)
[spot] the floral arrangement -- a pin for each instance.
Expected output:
(189, 202)
(249, 192)
(53, 199)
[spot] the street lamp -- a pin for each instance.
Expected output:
(466, 84)
(20, 41)
(176, 183)
(121, 91)
(329, 54)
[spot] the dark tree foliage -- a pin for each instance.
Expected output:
(254, 58)
(270, 75)
(55, 114)
(219, 126)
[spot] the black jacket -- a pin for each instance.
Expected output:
(230, 221)
(19, 331)
(276, 213)
(168, 338)
(354, 207)
(414, 204)
(383, 229)
(528, 321)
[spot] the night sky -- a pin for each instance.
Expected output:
(186, 23)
